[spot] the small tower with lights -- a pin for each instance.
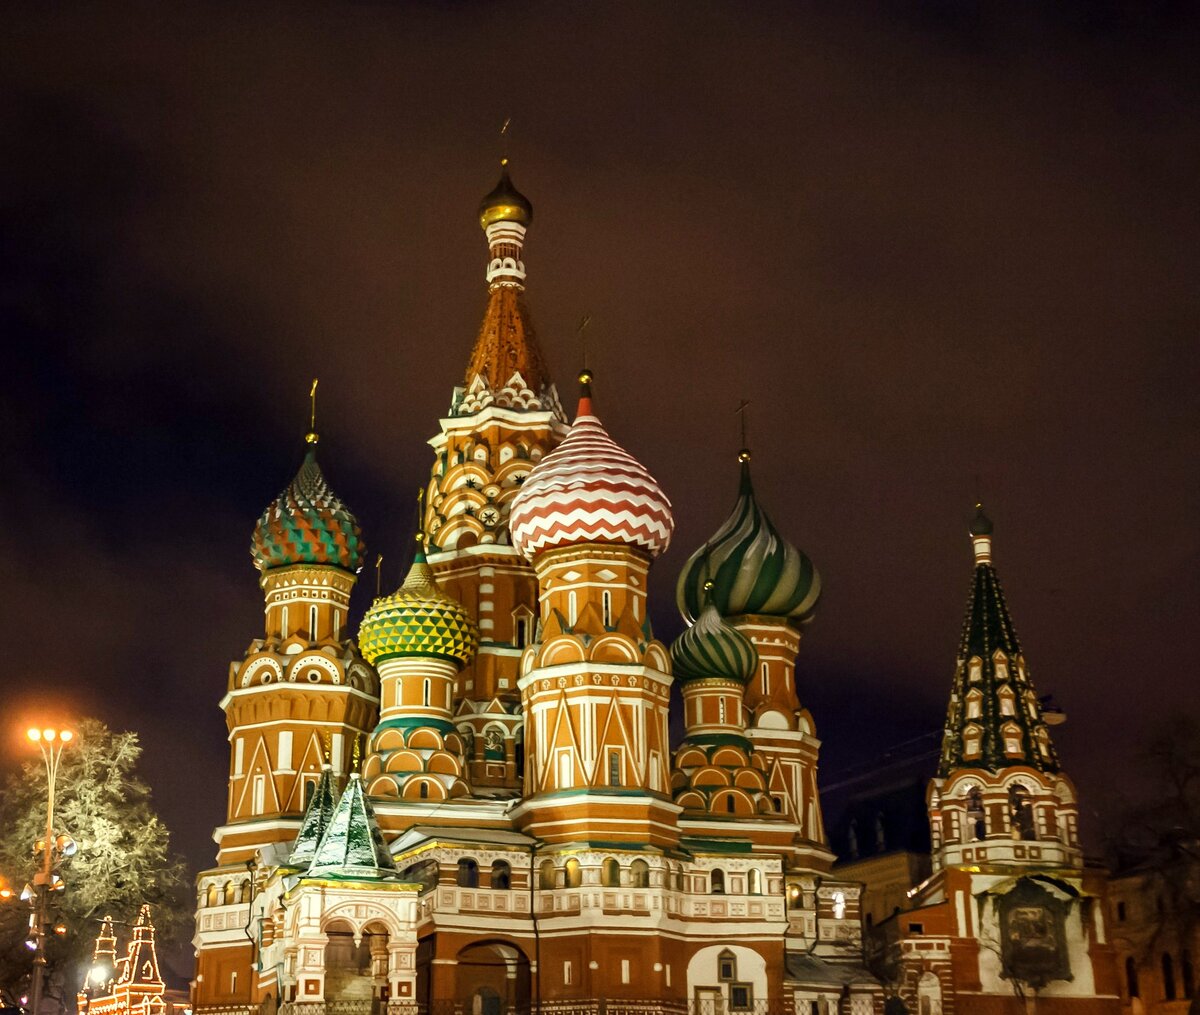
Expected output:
(502, 420)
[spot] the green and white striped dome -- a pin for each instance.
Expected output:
(754, 570)
(712, 648)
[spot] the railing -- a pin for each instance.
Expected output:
(481, 1006)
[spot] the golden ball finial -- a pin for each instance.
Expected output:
(311, 437)
(504, 161)
(744, 455)
(585, 376)
(708, 585)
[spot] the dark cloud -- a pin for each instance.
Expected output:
(944, 248)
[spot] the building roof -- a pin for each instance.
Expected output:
(418, 619)
(993, 699)
(308, 524)
(316, 819)
(352, 846)
(712, 648)
(590, 490)
(753, 569)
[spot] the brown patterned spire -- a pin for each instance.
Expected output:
(507, 344)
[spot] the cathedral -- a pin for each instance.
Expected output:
(472, 803)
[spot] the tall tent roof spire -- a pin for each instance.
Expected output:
(316, 819)
(995, 719)
(352, 846)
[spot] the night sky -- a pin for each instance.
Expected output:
(948, 251)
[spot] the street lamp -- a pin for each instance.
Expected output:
(51, 743)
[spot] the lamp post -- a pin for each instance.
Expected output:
(51, 742)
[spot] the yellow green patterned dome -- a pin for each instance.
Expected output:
(418, 619)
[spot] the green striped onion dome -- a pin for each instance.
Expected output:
(752, 567)
(308, 524)
(418, 619)
(712, 648)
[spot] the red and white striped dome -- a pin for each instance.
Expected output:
(590, 490)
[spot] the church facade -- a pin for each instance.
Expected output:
(472, 803)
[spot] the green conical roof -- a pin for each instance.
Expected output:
(713, 648)
(752, 567)
(316, 819)
(983, 683)
(352, 846)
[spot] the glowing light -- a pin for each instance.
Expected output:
(67, 736)
(34, 735)
(49, 734)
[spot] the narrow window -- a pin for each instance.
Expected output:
(501, 879)
(730, 805)
(1121, 912)
(239, 756)
(1185, 971)
(567, 971)
(283, 622)
(667, 973)
(639, 874)
(546, 874)
(839, 905)
(610, 873)
(337, 624)
(310, 787)
(522, 632)
(717, 882)
(260, 793)
(564, 770)
(754, 881)
(423, 790)
(312, 623)
(726, 966)
(614, 768)
(285, 750)
(1131, 977)
(1168, 976)
(468, 873)
(721, 709)
(233, 982)
(624, 970)
(572, 874)
(606, 600)
(571, 608)
(425, 692)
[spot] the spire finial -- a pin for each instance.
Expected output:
(744, 453)
(378, 575)
(356, 754)
(326, 749)
(981, 535)
(312, 436)
(420, 536)
(504, 141)
(585, 372)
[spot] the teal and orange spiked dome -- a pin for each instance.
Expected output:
(711, 648)
(753, 569)
(308, 524)
(418, 619)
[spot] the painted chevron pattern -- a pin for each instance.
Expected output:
(712, 648)
(307, 524)
(590, 490)
(752, 567)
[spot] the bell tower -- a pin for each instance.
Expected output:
(503, 419)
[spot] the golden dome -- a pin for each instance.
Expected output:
(505, 203)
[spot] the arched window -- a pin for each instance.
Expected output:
(717, 882)
(423, 790)
(1021, 811)
(1168, 973)
(213, 895)
(839, 905)
(468, 873)
(546, 874)
(639, 874)
(572, 874)
(501, 878)
(1131, 978)
(610, 873)
(976, 815)
(754, 881)
(1188, 976)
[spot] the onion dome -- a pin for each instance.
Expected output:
(981, 524)
(308, 524)
(713, 648)
(590, 490)
(754, 570)
(505, 203)
(418, 619)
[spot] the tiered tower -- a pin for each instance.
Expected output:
(596, 684)
(503, 419)
(1010, 910)
(998, 787)
(767, 589)
(418, 638)
(304, 685)
(299, 699)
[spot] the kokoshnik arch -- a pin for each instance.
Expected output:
(517, 831)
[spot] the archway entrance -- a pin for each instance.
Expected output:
(492, 978)
(356, 973)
